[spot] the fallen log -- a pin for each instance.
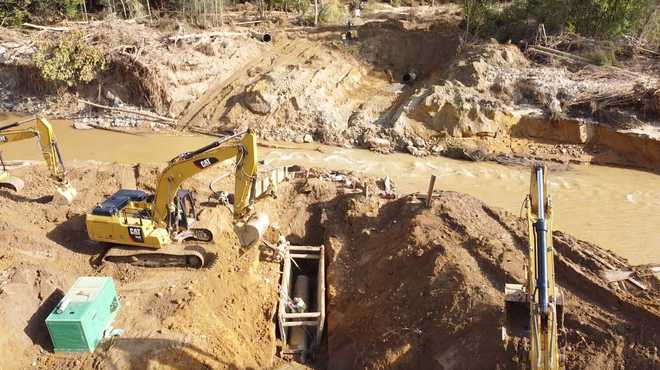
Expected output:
(176, 39)
(167, 120)
(46, 28)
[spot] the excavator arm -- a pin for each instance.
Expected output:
(43, 130)
(188, 164)
(543, 295)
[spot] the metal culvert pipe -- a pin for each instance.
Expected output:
(265, 37)
(298, 334)
(409, 77)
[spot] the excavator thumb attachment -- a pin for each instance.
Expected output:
(11, 182)
(65, 194)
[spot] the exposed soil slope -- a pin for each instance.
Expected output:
(411, 287)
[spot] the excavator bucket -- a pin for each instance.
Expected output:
(516, 309)
(65, 194)
(11, 182)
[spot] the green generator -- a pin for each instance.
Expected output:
(80, 319)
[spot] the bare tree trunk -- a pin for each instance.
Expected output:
(84, 5)
(123, 6)
(149, 9)
(222, 12)
(316, 13)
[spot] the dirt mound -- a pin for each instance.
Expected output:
(218, 317)
(410, 287)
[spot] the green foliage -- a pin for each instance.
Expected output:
(372, 6)
(69, 60)
(603, 56)
(333, 12)
(14, 12)
(599, 18)
(476, 13)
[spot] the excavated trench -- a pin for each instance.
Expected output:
(412, 287)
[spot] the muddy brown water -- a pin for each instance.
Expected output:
(616, 208)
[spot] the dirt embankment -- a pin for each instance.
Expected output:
(410, 287)
(466, 101)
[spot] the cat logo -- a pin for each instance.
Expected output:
(3, 139)
(206, 162)
(136, 234)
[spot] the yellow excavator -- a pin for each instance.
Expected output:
(147, 230)
(535, 311)
(43, 130)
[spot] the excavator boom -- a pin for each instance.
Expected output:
(189, 164)
(542, 292)
(42, 130)
(535, 310)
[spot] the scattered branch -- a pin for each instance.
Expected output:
(167, 120)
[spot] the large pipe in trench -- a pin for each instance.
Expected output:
(299, 340)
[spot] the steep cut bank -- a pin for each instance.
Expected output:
(410, 287)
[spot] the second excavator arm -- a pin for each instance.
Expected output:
(543, 296)
(43, 130)
(188, 164)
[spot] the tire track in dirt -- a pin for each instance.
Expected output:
(222, 90)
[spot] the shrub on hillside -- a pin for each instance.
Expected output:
(599, 18)
(69, 61)
(333, 12)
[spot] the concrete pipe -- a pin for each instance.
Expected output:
(252, 231)
(409, 77)
(299, 340)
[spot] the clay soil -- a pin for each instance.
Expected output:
(408, 287)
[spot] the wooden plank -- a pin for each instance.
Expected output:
(302, 315)
(284, 292)
(301, 323)
(304, 248)
(637, 283)
(320, 295)
(429, 193)
(305, 255)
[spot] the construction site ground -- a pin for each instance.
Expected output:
(407, 286)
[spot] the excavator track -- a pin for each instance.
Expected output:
(175, 256)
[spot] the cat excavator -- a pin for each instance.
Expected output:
(43, 130)
(148, 229)
(535, 311)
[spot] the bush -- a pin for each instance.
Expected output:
(69, 60)
(599, 18)
(476, 13)
(333, 12)
(603, 56)
(15, 12)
